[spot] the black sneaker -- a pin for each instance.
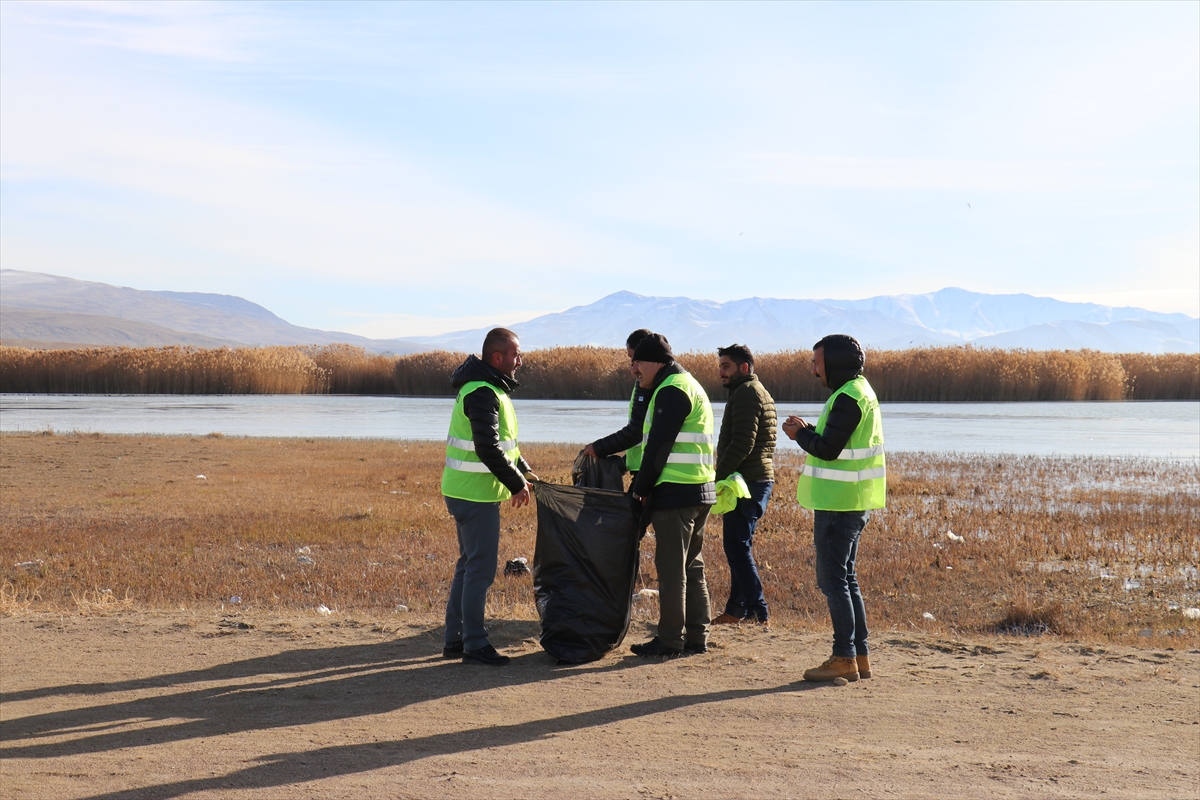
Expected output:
(655, 647)
(452, 650)
(695, 648)
(485, 655)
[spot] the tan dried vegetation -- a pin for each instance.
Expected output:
(926, 374)
(1083, 547)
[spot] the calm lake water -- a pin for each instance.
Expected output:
(1154, 430)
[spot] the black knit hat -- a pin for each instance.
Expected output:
(654, 347)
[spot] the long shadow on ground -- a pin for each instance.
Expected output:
(324, 684)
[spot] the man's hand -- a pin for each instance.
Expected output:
(521, 498)
(590, 451)
(792, 425)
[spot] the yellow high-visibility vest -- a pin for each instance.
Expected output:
(857, 479)
(465, 476)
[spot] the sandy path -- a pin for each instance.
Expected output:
(182, 705)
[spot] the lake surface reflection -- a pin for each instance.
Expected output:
(1154, 430)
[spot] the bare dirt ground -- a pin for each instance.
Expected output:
(182, 704)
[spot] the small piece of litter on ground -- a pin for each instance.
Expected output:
(954, 537)
(201, 477)
(840, 681)
(1191, 613)
(929, 616)
(323, 609)
(401, 609)
(646, 594)
(303, 551)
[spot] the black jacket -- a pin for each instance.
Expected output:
(482, 408)
(631, 434)
(842, 420)
(671, 408)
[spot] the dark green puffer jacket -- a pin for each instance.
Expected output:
(747, 440)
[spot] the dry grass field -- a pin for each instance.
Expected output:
(1093, 548)
(1058, 663)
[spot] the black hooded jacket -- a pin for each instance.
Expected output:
(840, 369)
(631, 434)
(671, 408)
(482, 408)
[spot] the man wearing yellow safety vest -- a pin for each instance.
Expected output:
(484, 468)
(629, 438)
(843, 478)
(676, 487)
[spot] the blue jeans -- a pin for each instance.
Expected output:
(745, 588)
(478, 546)
(835, 537)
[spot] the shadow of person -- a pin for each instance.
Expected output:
(327, 762)
(297, 687)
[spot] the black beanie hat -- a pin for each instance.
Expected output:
(654, 347)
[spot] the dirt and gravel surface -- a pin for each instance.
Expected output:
(186, 704)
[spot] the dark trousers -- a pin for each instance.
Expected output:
(745, 587)
(684, 613)
(478, 527)
(835, 537)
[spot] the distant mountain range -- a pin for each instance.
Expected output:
(46, 310)
(946, 317)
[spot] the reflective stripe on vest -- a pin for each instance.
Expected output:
(691, 459)
(857, 479)
(466, 477)
(633, 456)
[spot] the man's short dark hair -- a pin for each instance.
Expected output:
(842, 352)
(498, 340)
(635, 338)
(738, 354)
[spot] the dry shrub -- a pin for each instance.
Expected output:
(1174, 376)
(1024, 619)
(13, 602)
(101, 601)
(426, 374)
(161, 370)
(352, 370)
(930, 374)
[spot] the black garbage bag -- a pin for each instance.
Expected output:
(584, 568)
(599, 473)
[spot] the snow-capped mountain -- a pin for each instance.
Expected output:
(946, 317)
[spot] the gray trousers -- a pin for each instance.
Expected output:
(684, 613)
(478, 544)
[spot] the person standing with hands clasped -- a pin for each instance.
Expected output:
(675, 485)
(844, 477)
(746, 445)
(484, 468)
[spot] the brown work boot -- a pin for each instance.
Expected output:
(833, 668)
(864, 666)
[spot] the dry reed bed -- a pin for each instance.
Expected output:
(109, 521)
(925, 374)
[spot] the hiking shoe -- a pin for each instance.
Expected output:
(864, 666)
(485, 655)
(452, 650)
(834, 668)
(655, 647)
(695, 648)
(727, 619)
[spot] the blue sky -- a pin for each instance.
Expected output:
(395, 169)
